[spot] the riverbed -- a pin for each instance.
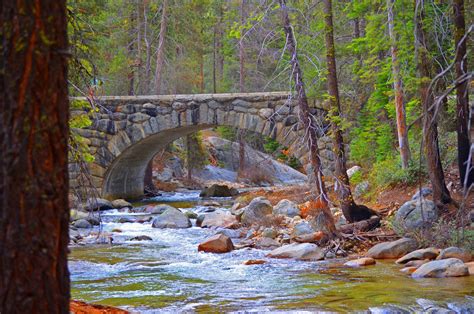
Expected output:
(168, 274)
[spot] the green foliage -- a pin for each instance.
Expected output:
(271, 145)
(388, 172)
(196, 153)
(79, 148)
(227, 133)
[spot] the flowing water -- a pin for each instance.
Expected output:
(169, 275)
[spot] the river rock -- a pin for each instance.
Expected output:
(416, 263)
(231, 233)
(254, 262)
(141, 238)
(470, 268)
(219, 218)
(98, 204)
(218, 243)
(78, 214)
(266, 243)
(455, 252)
(302, 228)
(451, 267)
(256, 212)
(409, 215)
(121, 203)
(352, 171)
(286, 208)
(172, 218)
(158, 209)
(394, 249)
(123, 220)
(421, 254)
(218, 190)
(269, 233)
(361, 188)
(408, 270)
(191, 214)
(364, 261)
(302, 251)
(423, 193)
(82, 224)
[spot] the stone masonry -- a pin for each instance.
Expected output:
(129, 131)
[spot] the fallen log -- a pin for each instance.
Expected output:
(360, 226)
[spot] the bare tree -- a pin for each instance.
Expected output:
(462, 100)
(402, 130)
(430, 127)
(241, 49)
(160, 58)
(34, 114)
(319, 189)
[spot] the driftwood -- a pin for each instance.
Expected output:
(310, 237)
(360, 226)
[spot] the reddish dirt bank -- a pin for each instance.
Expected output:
(79, 307)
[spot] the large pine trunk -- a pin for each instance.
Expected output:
(430, 127)
(318, 185)
(462, 100)
(402, 130)
(34, 113)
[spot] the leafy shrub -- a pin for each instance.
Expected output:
(271, 145)
(389, 172)
(227, 132)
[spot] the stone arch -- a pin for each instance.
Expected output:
(129, 131)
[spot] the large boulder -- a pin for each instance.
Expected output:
(94, 204)
(219, 218)
(423, 192)
(172, 218)
(421, 254)
(302, 251)
(218, 243)
(231, 233)
(416, 214)
(286, 208)
(394, 249)
(218, 190)
(352, 171)
(256, 212)
(451, 267)
(121, 203)
(455, 252)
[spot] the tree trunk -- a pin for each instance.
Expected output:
(241, 152)
(148, 180)
(146, 84)
(131, 55)
(219, 48)
(139, 49)
(241, 49)
(318, 186)
(402, 130)
(351, 211)
(430, 128)
(34, 113)
(160, 58)
(462, 101)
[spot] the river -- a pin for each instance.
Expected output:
(169, 275)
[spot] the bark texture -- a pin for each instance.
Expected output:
(34, 112)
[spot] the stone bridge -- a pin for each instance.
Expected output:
(128, 131)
